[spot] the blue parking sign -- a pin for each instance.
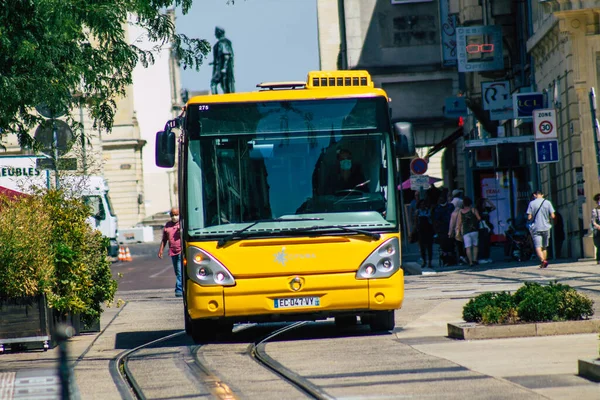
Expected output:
(546, 151)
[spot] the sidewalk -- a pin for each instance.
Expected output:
(411, 260)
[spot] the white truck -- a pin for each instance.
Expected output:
(20, 174)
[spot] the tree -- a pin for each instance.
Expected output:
(62, 53)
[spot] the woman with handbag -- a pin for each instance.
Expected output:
(595, 223)
(468, 223)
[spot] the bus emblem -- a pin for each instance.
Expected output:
(282, 257)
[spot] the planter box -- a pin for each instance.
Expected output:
(589, 369)
(473, 331)
(25, 321)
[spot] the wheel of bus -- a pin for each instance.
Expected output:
(345, 320)
(382, 321)
(203, 331)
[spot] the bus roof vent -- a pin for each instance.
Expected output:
(281, 85)
(320, 79)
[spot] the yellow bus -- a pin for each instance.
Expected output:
(288, 203)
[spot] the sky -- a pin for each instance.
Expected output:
(273, 40)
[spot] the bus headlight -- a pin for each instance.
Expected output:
(383, 262)
(205, 270)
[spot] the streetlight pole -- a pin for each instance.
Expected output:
(55, 152)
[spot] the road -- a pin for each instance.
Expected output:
(417, 360)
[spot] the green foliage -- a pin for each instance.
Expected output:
(26, 264)
(531, 303)
(55, 253)
(63, 53)
(490, 308)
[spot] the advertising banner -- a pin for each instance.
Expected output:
(448, 31)
(479, 48)
(496, 188)
(497, 100)
(525, 103)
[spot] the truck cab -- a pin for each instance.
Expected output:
(95, 194)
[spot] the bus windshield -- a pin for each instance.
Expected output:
(337, 175)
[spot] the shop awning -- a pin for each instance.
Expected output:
(447, 141)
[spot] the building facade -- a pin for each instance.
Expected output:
(565, 48)
(400, 44)
(491, 63)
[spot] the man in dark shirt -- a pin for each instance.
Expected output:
(347, 175)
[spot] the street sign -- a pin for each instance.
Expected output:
(418, 166)
(44, 134)
(544, 124)
(419, 182)
(546, 151)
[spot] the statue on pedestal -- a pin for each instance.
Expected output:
(222, 64)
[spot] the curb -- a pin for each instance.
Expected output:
(589, 369)
(473, 331)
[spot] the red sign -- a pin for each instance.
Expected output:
(418, 166)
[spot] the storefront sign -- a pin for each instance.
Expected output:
(525, 103)
(497, 100)
(448, 24)
(455, 107)
(499, 140)
(479, 48)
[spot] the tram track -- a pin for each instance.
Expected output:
(131, 389)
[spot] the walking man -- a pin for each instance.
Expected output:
(172, 235)
(539, 213)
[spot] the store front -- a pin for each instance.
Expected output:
(506, 174)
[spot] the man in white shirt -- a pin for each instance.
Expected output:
(539, 212)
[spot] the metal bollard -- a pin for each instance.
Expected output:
(63, 333)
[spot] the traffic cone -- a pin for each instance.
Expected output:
(128, 255)
(121, 253)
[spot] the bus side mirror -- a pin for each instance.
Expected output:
(165, 149)
(404, 140)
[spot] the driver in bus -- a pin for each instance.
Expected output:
(348, 175)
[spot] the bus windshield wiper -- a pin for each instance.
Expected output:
(238, 234)
(373, 235)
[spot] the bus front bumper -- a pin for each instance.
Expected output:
(288, 297)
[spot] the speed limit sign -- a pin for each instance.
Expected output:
(544, 124)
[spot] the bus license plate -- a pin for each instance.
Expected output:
(293, 302)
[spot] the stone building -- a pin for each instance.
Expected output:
(491, 62)
(400, 44)
(565, 48)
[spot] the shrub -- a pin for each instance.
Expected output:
(531, 303)
(539, 305)
(490, 308)
(47, 247)
(26, 265)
